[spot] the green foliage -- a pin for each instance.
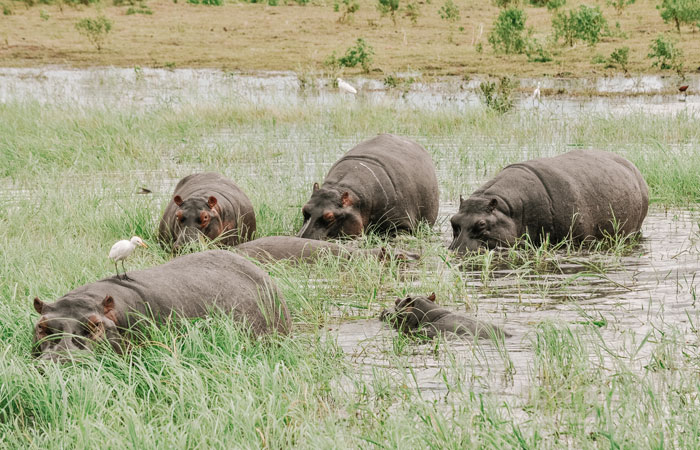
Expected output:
(6, 10)
(536, 52)
(388, 7)
(680, 12)
(505, 3)
(665, 54)
(498, 97)
(551, 5)
(361, 53)
(412, 11)
(95, 30)
(44, 15)
(508, 34)
(585, 23)
(208, 2)
(619, 5)
(350, 7)
(449, 11)
(620, 57)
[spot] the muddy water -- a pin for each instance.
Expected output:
(654, 288)
(143, 87)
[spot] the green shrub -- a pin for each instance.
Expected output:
(361, 54)
(680, 12)
(498, 97)
(665, 54)
(6, 10)
(350, 7)
(551, 5)
(620, 57)
(585, 23)
(508, 34)
(95, 30)
(619, 5)
(536, 52)
(209, 2)
(412, 11)
(449, 11)
(388, 7)
(505, 3)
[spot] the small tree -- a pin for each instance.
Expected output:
(620, 5)
(350, 7)
(412, 11)
(360, 54)
(505, 3)
(665, 54)
(498, 97)
(680, 12)
(508, 34)
(620, 56)
(585, 23)
(449, 11)
(388, 7)
(95, 30)
(551, 5)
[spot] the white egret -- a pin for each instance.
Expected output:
(536, 94)
(122, 249)
(345, 87)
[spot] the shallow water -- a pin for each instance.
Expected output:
(652, 289)
(144, 87)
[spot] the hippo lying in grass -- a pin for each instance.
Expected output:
(420, 316)
(193, 285)
(387, 183)
(582, 195)
(207, 204)
(275, 248)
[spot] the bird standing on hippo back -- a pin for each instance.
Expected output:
(210, 205)
(583, 194)
(387, 183)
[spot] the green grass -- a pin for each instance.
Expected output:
(587, 379)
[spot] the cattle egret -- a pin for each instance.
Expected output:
(345, 87)
(536, 94)
(121, 250)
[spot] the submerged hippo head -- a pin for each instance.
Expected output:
(330, 214)
(195, 217)
(73, 326)
(409, 312)
(481, 223)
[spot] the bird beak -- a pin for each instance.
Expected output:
(143, 244)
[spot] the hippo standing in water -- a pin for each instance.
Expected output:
(583, 194)
(275, 248)
(387, 183)
(192, 285)
(207, 204)
(421, 316)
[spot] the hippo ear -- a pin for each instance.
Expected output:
(178, 200)
(461, 201)
(398, 300)
(107, 305)
(492, 205)
(345, 199)
(432, 297)
(316, 187)
(212, 202)
(39, 306)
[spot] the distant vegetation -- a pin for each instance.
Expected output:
(95, 30)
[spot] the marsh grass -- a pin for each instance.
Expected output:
(70, 183)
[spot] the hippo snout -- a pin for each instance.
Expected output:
(186, 236)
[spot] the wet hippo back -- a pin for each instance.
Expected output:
(275, 248)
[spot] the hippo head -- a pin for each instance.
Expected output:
(409, 312)
(330, 214)
(195, 217)
(481, 223)
(70, 327)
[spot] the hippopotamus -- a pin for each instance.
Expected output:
(207, 204)
(275, 248)
(192, 285)
(582, 195)
(387, 183)
(421, 316)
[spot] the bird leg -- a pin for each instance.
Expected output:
(124, 268)
(117, 269)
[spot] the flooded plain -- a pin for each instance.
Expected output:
(619, 301)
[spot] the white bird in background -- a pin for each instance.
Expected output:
(122, 249)
(345, 87)
(536, 94)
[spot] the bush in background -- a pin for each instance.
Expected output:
(508, 34)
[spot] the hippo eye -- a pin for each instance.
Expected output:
(306, 215)
(455, 229)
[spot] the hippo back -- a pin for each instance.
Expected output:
(194, 285)
(274, 248)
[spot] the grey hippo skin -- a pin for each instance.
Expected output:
(421, 316)
(192, 285)
(275, 248)
(387, 183)
(208, 204)
(578, 194)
